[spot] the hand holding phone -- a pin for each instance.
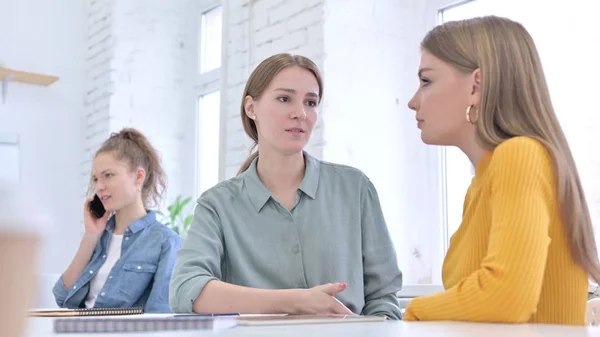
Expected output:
(94, 216)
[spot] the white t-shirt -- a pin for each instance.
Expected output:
(97, 282)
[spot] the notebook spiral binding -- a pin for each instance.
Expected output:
(109, 311)
(86, 312)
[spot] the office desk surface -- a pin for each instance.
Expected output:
(42, 327)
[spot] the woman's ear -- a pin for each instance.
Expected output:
(249, 107)
(140, 176)
(476, 86)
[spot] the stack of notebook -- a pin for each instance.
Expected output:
(145, 323)
(131, 320)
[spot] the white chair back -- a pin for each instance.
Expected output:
(592, 312)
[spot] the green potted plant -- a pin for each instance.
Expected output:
(177, 218)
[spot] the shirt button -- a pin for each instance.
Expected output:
(91, 271)
(110, 277)
(139, 267)
(74, 287)
(296, 250)
(127, 238)
(104, 256)
(103, 294)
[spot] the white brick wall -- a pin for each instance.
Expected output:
(154, 81)
(255, 31)
(140, 61)
(98, 88)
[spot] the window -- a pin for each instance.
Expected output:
(457, 173)
(209, 97)
(210, 40)
(208, 131)
(571, 89)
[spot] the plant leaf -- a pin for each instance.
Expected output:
(185, 201)
(188, 221)
(176, 218)
(178, 207)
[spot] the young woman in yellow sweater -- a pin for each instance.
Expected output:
(525, 248)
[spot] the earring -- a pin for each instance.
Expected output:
(468, 114)
(139, 188)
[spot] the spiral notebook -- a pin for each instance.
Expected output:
(144, 323)
(85, 312)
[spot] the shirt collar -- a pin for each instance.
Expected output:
(311, 176)
(259, 194)
(136, 226)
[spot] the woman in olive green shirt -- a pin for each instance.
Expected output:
(289, 234)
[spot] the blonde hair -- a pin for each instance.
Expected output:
(134, 148)
(260, 79)
(515, 101)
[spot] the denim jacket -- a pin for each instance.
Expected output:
(140, 278)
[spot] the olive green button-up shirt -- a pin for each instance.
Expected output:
(336, 232)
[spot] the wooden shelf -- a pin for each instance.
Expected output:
(26, 77)
(7, 75)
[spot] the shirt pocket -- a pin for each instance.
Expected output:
(137, 276)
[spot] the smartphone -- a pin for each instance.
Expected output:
(96, 207)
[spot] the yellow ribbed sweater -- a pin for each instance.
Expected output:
(509, 261)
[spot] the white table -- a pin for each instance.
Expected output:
(42, 327)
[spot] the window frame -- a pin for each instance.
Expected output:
(207, 83)
(443, 9)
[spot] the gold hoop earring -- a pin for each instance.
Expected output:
(468, 115)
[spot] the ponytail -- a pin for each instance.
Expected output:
(248, 162)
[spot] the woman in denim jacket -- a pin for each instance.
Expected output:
(124, 260)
